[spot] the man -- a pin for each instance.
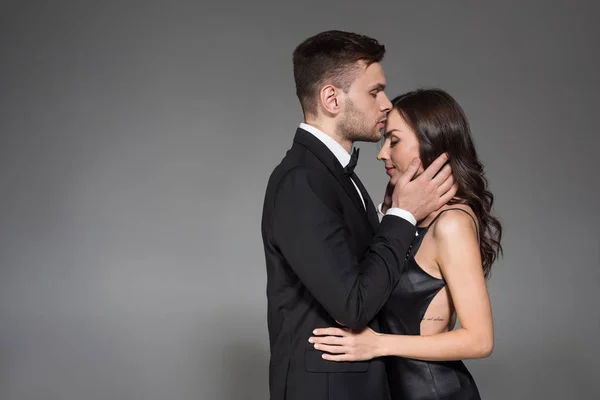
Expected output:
(328, 257)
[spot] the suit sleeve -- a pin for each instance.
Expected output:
(312, 235)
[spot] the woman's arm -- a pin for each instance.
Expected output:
(459, 258)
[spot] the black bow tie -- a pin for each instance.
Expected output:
(349, 169)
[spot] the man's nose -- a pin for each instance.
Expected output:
(386, 105)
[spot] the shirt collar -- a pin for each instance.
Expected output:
(338, 151)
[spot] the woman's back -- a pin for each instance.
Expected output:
(421, 305)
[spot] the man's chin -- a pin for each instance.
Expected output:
(372, 138)
(376, 137)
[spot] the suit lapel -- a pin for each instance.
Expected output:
(321, 151)
(371, 211)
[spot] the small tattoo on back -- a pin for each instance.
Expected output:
(435, 319)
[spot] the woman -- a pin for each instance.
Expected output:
(447, 267)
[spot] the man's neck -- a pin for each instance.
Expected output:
(331, 131)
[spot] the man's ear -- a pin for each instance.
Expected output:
(330, 99)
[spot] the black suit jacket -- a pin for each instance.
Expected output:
(327, 259)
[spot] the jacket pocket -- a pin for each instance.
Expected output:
(314, 363)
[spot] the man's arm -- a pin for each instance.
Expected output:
(386, 208)
(312, 235)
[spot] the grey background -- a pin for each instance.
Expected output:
(136, 141)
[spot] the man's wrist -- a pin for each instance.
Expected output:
(385, 207)
(399, 212)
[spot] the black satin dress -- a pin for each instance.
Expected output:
(411, 379)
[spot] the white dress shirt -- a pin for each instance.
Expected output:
(344, 158)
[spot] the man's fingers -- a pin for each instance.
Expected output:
(410, 172)
(444, 187)
(449, 195)
(435, 166)
(442, 175)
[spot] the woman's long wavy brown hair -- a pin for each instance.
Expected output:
(441, 126)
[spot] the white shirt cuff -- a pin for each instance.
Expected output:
(398, 212)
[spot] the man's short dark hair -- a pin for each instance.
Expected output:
(330, 58)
